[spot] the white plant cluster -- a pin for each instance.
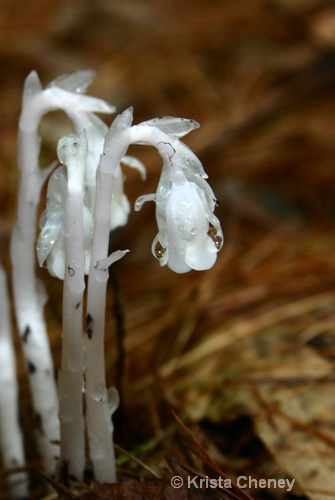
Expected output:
(189, 233)
(85, 201)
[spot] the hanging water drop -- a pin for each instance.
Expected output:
(99, 392)
(215, 237)
(159, 251)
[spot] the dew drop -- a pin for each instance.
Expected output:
(99, 393)
(159, 251)
(215, 237)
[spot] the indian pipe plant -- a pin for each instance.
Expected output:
(85, 201)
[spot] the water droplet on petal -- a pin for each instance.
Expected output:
(215, 237)
(159, 251)
(99, 393)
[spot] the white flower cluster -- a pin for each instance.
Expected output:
(85, 201)
(189, 234)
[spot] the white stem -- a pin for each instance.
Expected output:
(10, 432)
(29, 300)
(98, 407)
(72, 152)
(28, 296)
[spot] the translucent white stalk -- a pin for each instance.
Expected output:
(100, 403)
(72, 152)
(64, 93)
(10, 433)
(118, 139)
(29, 297)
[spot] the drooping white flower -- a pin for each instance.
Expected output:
(189, 234)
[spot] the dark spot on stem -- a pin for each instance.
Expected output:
(55, 442)
(78, 305)
(38, 423)
(71, 271)
(89, 326)
(26, 333)
(97, 266)
(31, 367)
(64, 475)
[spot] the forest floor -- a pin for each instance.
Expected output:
(230, 372)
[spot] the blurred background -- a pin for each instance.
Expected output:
(243, 353)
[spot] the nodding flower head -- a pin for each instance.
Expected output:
(189, 234)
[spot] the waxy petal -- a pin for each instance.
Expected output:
(178, 127)
(77, 82)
